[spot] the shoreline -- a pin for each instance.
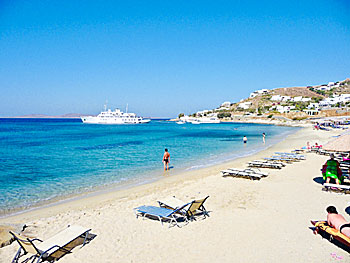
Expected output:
(243, 214)
(150, 177)
(172, 176)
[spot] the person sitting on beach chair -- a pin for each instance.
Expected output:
(331, 170)
(337, 221)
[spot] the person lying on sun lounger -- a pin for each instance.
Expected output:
(337, 221)
(331, 170)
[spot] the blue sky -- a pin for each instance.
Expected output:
(164, 57)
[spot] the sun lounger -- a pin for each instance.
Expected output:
(270, 161)
(241, 173)
(299, 151)
(337, 188)
(291, 155)
(162, 213)
(287, 159)
(293, 158)
(278, 158)
(196, 207)
(334, 233)
(256, 171)
(265, 164)
(52, 248)
(247, 172)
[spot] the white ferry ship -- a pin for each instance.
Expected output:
(114, 117)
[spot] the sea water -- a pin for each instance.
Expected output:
(50, 159)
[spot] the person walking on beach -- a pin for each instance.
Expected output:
(264, 137)
(166, 159)
(245, 139)
(337, 221)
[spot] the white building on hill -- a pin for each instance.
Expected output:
(276, 98)
(286, 98)
(245, 105)
(315, 106)
(282, 109)
(259, 92)
(329, 102)
(225, 104)
(323, 88)
(280, 98)
(306, 99)
(300, 99)
(297, 99)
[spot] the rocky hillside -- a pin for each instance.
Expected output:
(296, 91)
(262, 102)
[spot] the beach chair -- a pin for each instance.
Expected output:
(340, 188)
(299, 151)
(248, 170)
(265, 164)
(291, 155)
(256, 171)
(246, 173)
(53, 248)
(162, 213)
(195, 208)
(332, 232)
(280, 159)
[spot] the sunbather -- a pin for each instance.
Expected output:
(331, 170)
(337, 221)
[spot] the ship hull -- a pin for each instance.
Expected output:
(96, 120)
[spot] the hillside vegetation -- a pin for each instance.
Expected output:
(262, 105)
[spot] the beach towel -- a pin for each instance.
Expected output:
(336, 234)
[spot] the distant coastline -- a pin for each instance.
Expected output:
(65, 116)
(43, 116)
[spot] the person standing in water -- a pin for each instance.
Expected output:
(166, 159)
(264, 137)
(245, 139)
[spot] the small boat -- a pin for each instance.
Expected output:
(195, 122)
(180, 122)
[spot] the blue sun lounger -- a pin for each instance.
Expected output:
(162, 214)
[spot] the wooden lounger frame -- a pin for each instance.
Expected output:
(322, 226)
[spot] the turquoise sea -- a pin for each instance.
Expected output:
(48, 159)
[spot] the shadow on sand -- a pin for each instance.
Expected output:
(318, 180)
(327, 236)
(347, 210)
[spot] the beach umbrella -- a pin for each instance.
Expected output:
(340, 144)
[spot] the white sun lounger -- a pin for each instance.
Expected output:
(256, 171)
(265, 164)
(52, 248)
(241, 173)
(279, 158)
(337, 188)
(249, 170)
(291, 155)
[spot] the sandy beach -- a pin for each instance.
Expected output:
(250, 221)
